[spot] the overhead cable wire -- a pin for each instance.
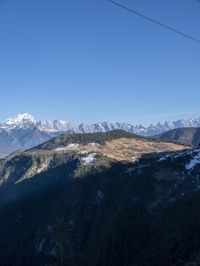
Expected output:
(154, 21)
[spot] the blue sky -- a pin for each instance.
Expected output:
(91, 61)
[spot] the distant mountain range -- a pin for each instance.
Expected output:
(23, 131)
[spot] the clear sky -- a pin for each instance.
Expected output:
(91, 61)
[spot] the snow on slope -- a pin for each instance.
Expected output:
(23, 131)
(57, 126)
(194, 161)
(20, 120)
(89, 159)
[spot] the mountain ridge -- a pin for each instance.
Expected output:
(26, 119)
(185, 136)
(24, 131)
(111, 212)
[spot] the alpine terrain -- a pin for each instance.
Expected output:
(187, 136)
(100, 199)
(23, 131)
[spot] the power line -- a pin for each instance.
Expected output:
(154, 21)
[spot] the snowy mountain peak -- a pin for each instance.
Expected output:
(19, 120)
(25, 121)
(23, 131)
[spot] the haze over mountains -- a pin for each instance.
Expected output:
(23, 131)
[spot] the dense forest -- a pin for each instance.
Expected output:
(105, 216)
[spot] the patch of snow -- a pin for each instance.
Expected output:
(134, 159)
(189, 152)
(193, 162)
(93, 144)
(73, 145)
(59, 149)
(83, 152)
(89, 159)
(164, 158)
(176, 155)
(42, 168)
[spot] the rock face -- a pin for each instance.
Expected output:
(23, 131)
(100, 199)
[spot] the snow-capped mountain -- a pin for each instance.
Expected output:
(18, 121)
(23, 131)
